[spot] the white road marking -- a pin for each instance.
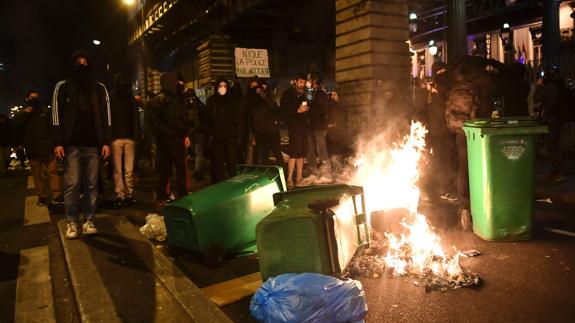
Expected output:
(33, 213)
(563, 232)
(34, 300)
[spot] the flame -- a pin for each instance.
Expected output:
(389, 176)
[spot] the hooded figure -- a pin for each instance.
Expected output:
(124, 133)
(225, 126)
(168, 116)
(81, 125)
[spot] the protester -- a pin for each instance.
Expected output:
(225, 124)
(124, 133)
(81, 133)
(338, 136)
(197, 123)
(294, 106)
(318, 124)
(263, 124)
(518, 89)
(548, 93)
(168, 120)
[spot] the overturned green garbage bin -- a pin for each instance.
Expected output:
(223, 217)
(501, 155)
(316, 229)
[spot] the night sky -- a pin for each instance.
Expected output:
(37, 38)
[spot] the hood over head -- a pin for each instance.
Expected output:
(80, 54)
(121, 84)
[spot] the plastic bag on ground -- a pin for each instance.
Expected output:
(155, 228)
(309, 297)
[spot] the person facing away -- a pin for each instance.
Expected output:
(294, 106)
(168, 120)
(318, 124)
(263, 116)
(34, 122)
(515, 97)
(225, 128)
(124, 133)
(81, 133)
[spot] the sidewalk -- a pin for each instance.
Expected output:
(118, 275)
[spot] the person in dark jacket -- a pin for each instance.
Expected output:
(294, 106)
(338, 136)
(441, 140)
(548, 95)
(168, 119)
(225, 124)
(5, 142)
(263, 124)
(318, 124)
(124, 133)
(81, 125)
(517, 92)
(197, 123)
(34, 122)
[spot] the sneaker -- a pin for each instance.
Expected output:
(449, 197)
(172, 197)
(42, 201)
(88, 228)
(323, 180)
(289, 184)
(71, 230)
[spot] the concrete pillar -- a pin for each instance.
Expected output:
(456, 30)
(551, 34)
(370, 45)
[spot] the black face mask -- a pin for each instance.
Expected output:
(81, 72)
(33, 102)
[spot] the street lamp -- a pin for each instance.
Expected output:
(96, 42)
(412, 22)
(129, 2)
(432, 48)
(506, 36)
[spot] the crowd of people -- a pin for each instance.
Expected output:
(87, 123)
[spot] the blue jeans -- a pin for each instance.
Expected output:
(81, 173)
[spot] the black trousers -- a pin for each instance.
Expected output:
(265, 143)
(224, 158)
(171, 153)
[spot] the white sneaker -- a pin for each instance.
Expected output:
(71, 230)
(89, 228)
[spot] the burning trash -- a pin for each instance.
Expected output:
(403, 242)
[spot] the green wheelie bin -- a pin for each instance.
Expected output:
(501, 156)
(315, 229)
(223, 217)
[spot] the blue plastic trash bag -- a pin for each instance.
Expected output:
(309, 298)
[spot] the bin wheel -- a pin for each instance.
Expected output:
(214, 255)
(465, 220)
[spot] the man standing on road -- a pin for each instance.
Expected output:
(34, 122)
(81, 125)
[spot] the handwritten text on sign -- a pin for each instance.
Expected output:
(252, 62)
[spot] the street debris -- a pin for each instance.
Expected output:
(155, 228)
(563, 232)
(371, 263)
(547, 200)
(470, 253)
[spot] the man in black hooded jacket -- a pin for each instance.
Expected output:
(80, 134)
(168, 115)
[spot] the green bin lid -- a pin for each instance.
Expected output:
(505, 126)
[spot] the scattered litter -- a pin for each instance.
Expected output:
(470, 253)
(547, 200)
(155, 228)
(563, 232)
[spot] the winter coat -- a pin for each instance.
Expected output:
(35, 131)
(263, 115)
(289, 104)
(64, 109)
(167, 112)
(226, 118)
(124, 110)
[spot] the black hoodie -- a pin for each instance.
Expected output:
(124, 109)
(167, 111)
(65, 104)
(225, 114)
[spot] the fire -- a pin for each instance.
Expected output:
(389, 176)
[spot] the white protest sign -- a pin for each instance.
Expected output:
(252, 62)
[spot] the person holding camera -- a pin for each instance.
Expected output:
(294, 106)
